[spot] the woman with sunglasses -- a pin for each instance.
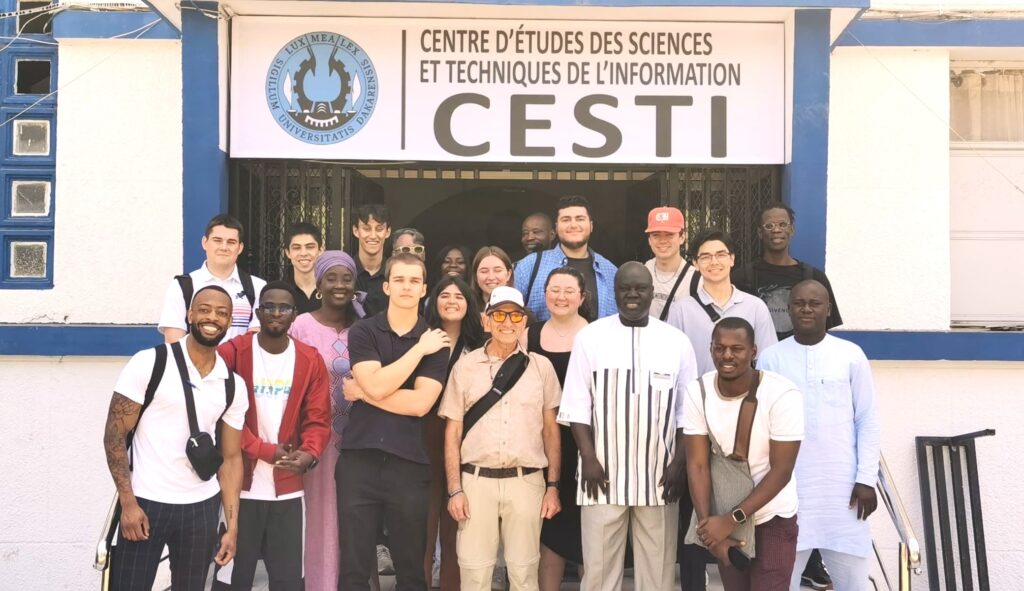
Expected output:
(567, 301)
(326, 330)
(453, 309)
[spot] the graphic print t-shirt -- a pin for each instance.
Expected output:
(773, 284)
(271, 385)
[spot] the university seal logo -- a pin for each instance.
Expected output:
(321, 88)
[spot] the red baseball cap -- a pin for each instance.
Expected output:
(665, 219)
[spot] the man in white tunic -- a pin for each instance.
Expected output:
(838, 463)
(623, 400)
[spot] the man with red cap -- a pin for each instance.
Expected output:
(673, 275)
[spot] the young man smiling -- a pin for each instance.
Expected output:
(573, 225)
(383, 474)
(718, 298)
(372, 228)
(622, 400)
(223, 244)
(286, 428)
(305, 243)
(496, 482)
(673, 275)
(164, 502)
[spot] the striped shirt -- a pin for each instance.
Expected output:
(242, 316)
(627, 384)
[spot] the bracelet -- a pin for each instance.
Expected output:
(554, 484)
(454, 493)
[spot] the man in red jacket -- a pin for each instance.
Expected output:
(286, 427)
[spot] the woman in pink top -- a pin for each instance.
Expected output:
(326, 330)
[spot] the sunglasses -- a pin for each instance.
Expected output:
(417, 249)
(499, 316)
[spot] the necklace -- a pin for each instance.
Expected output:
(562, 334)
(671, 276)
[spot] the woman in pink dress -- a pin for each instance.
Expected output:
(326, 330)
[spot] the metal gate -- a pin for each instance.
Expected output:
(269, 195)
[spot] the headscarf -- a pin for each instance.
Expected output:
(337, 258)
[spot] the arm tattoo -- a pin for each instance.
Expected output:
(122, 417)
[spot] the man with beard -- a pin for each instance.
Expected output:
(304, 245)
(838, 463)
(715, 406)
(623, 401)
(223, 245)
(286, 428)
(573, 225)
(538, 234)
(163, 501)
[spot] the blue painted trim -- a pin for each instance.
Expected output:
(932, 33)
(98, 340)
(805, 178)
(85, 24)
(205, 166)
(156, 10)
(122, 340)
(701, 3)
(940, 345)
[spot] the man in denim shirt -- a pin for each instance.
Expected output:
(573, 226)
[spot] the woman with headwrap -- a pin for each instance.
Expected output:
(326, 330)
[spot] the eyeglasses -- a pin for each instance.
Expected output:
(769, 226)
(284, 309)
(416, 249)
(499, 316)
(563, 292)
(720, 256)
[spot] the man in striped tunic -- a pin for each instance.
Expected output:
(623, 400)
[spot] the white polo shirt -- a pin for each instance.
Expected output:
(161, 471)
(173, 314)
(779, 417)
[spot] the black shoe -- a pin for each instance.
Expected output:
(816, 577)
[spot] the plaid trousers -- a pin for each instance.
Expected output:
(190, 534)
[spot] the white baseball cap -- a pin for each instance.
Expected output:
(505, 295)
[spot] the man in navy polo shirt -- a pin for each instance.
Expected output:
(383, 473)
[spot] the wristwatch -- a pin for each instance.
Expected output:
(312, 464)
(739, 516)
(554, 484)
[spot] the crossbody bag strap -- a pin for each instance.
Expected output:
(508, 374)
(745, 421)
(533, 276)
(190, 403)
(709, 309)
(704, 405)
(672, 293)
(159, 364)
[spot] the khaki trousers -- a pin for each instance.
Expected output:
(505, 509)
(654, 533)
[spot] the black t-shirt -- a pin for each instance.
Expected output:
(586, 266)
(303, 303)
(371, 339)
(773, 283)
(373, 285)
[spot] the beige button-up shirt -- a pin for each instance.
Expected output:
(509, 435)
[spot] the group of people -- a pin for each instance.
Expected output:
(555, 411)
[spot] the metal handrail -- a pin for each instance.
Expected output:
(909, 547)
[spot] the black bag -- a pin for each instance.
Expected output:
(188, 290)
(202, 451)
(508, 374)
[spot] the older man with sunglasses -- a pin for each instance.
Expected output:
(496, 471)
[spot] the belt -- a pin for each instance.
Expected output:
(497, 472)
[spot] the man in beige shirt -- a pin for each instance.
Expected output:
(496, 483)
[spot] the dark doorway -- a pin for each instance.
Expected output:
(478, 205)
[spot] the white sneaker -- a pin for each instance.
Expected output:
(435, 575)
(385, 566)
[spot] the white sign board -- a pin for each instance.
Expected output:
(508, 91)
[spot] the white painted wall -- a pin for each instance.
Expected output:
(118, 187)
(888, 188)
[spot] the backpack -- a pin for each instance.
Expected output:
(188, 290)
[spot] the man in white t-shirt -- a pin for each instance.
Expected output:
(286, 428)
(673, 275)
(163, 501)
(713, 405)
(223, 244)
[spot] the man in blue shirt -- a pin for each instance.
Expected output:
(573, 225)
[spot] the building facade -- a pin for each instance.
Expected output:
(889, 127)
